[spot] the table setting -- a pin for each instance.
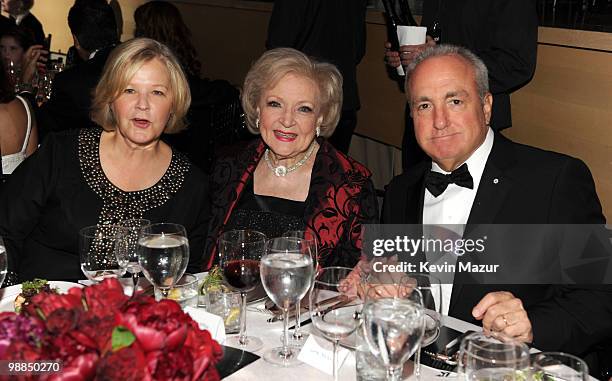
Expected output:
(268, 311)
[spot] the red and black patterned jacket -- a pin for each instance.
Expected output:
(341, 198)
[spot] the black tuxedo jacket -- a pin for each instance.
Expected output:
(71, 96)
(524, 185)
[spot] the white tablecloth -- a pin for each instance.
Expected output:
(270, 333)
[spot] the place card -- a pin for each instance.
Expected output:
(213, 323)
(318, 353)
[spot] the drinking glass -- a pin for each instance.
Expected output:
(393, 324)
(431, 290)
(99, 248)
(286, 275)
(310, 241)
(484, 357)
(131, 259)
(163, 254)
(184, 292)
(3, 262)
(338, 320)
(559, 366)
(240, 252)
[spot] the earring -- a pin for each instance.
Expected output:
(318, 131)
(257, 123)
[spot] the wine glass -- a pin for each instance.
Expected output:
(240, 252)
(131, 258)
(559, 366)
(431, 290)
(286, 275)
(163, 254)
(3, 262)
(484, 357)
(339, 320)
(99, 248)
(310, 241)
(393, 324)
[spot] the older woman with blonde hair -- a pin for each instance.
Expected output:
(291, 178)
(103, 175)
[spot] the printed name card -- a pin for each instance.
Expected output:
(319, 353)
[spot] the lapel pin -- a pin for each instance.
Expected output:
(496, 181)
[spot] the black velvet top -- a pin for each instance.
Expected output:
(272, 216)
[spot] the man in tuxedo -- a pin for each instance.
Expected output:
(94, 31)
(476, 176)
(20, 15)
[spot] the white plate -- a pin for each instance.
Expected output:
(8, 294)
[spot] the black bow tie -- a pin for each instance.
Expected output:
(436, 182)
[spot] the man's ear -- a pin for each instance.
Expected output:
(75, 41)
(487, 106)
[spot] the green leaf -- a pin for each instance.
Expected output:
(121, 338)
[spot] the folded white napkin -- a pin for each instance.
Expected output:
(213, 323)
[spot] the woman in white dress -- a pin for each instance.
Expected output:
(18, 134)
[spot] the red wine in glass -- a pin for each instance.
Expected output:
(242, 274)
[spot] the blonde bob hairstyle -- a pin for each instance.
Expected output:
(275, 64)
(122, 64)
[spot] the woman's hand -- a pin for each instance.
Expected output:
(33, 60)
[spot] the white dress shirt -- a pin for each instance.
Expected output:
(453, 206)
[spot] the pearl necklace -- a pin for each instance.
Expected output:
(281, 170)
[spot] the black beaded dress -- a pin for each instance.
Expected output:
(62, 188)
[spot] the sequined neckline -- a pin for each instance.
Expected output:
(118, 205)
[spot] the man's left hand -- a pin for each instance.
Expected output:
(502, 312)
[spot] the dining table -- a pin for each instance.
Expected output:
(270, 334)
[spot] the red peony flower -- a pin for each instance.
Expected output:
(45, 303)
(125, 364)
(105, 298)
(62, 321)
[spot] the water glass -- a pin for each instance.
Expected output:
(393, 324)
(431, 290)
(308, 240)
(484, 357)
(184, 292)
(99, 248)
(286, 275)
(132, 265)
(339, 320)
(240, 252)
(225, 304)
(559, 366)
(3, 262)
(163, 254)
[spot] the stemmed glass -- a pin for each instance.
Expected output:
(99, 248)
(133, 267)
(484, 357)
(431, 290)
(308, 240)
(393, 324)
(339, 320)
(3, 262)
(240, 252)
(559, 366)
(286, 275)
(163, 254)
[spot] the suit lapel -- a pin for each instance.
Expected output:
(415, 196)
(493, 190)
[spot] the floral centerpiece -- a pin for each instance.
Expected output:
(98, 333)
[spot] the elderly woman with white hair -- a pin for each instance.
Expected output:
(101, 175)
(292, 178)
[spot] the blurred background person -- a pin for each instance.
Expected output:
(94, 31)
(162, 21)
(18, 135)
(332, 31)
(19, 14)
(102, 175)
(292, 178)
(13, 44)
(503, 33)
